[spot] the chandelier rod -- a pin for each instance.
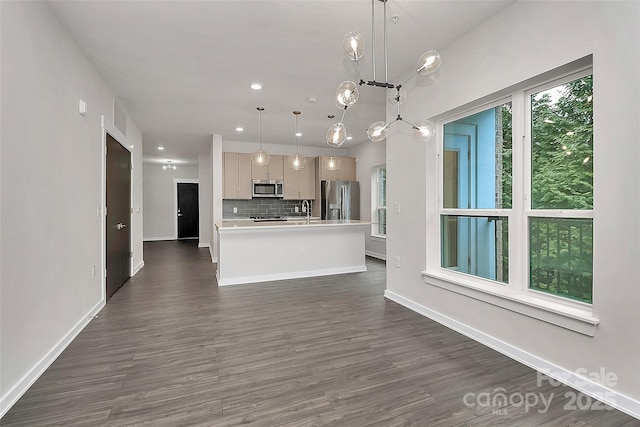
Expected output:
(384, 26)
(373, 38)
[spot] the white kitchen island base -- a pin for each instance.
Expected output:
(250, 252)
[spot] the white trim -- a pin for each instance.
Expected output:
(11, 397)
(214, 259)
(376, 255)
(177, 181)
(610, 397)
(285, 276)
(138, 268)
(578, 318)
(203, 245)
(158, 239)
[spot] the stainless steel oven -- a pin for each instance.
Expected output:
(267, 188)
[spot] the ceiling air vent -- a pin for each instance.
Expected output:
(119, 117)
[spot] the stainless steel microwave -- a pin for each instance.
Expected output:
(267, 188)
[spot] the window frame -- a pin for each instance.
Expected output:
(375, 201)
(516, 295)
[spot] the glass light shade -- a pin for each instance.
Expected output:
(332, 163)
(336, 134)
(424, 130)
(347, 94)
(377, 131)
(353, 45)
(260, 158)
(296, 161)
(428, 62)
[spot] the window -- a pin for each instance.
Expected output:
(379, 200)
(487, 220)
(476, 178)
(560, 221)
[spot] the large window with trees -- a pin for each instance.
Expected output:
(560, 219)
(503, 195)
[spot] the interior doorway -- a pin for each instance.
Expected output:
(187, 214)
(117, 215)
(186, 208)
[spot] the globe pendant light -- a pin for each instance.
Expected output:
(260, 157)
(296, 161)
(333, 163)
(337, 133)
(424, 130)
(347, 93)
(377, 131)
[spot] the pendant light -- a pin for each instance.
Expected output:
(260, 157)
(296, 161)
(347, 92)
(333, 163)
(337, 132)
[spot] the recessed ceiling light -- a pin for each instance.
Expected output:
(160, 147)
(298, 133)
(349, 138)
(312, 100)
(256, 86)
(239, 129)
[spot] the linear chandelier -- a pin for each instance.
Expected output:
(347, 93)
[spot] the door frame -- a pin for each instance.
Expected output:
(109, 128)
(177, 181)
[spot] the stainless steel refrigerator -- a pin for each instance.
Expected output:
(340, 200)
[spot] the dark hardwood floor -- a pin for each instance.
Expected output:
(171, 348)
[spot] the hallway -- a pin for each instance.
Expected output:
(171, 348)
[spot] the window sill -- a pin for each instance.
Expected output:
(378, 238)
(572, 318)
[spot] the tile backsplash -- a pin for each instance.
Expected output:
(261, 206)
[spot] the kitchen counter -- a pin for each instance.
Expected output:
(250, 224)
(251, 252)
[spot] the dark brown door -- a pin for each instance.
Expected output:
(187, 210)
(118, 170)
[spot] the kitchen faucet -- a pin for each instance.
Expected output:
(306, 202)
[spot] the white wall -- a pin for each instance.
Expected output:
(216, 168)
(369, 155)
(525, 40)
(159, 199)
(205, 202)
(51, 190)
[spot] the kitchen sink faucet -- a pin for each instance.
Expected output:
(308, 211)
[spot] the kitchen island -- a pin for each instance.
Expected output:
(250, 252)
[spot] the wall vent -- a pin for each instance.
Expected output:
(119, 117)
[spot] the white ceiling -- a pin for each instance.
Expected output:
(182, 69)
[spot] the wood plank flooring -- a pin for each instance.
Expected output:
(171, 349)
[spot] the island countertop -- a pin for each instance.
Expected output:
(251, 252)
(225, 226)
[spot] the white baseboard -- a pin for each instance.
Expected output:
(157, 239)
(376, 255)
(213, 258)
(286, 276)
(597, 391)
(11, 397)
(138, 268)
(203, 245)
